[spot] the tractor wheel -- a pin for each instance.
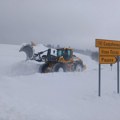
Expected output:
(78, 67)
(59, 67)
(43, 68)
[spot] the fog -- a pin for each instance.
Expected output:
(75, 23)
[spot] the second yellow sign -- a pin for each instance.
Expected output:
(109, 51)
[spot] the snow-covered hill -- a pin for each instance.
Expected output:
(26, 94)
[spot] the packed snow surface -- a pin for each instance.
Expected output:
(26, 94)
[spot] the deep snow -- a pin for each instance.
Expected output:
(26, 94)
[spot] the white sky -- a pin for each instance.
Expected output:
(74, 23)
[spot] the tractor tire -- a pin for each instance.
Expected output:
(59, 67)
(43, 68)
(78, 67)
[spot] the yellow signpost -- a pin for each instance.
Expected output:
(109, 52)
(107, 48)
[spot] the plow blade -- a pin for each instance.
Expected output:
(28, 50)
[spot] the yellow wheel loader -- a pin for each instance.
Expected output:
(54, 60)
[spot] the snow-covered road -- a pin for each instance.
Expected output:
(26, 94)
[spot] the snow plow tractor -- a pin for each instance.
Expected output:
(54, 60)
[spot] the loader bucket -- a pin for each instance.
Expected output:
(28, 49)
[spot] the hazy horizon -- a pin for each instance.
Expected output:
(75, 23)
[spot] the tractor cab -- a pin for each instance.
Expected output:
(55, 54)
(65, 52)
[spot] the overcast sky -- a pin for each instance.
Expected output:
(75, 23)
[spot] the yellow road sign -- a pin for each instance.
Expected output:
(109, 51)
(107, 43)
(107, 59)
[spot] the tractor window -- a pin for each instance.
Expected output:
(69, 53)
(59, 53)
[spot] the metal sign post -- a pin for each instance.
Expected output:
(99, 82)
(118, 74)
